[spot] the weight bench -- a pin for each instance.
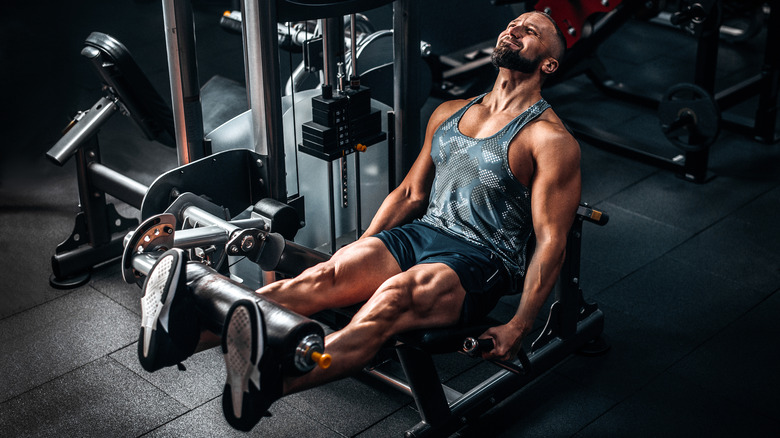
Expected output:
(573, 324)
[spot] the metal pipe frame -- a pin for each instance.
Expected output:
(93, 239)
(197, 217)
(261, 52)
(143, 263)
(199, 237)
(118, 185)
(406, 65)
(185, 85)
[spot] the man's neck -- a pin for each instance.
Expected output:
(514, 91)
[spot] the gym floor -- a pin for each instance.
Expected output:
(688, 275)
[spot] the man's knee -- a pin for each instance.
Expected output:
(322, 275)
(294, 292)
(398, 307)
(388, 302)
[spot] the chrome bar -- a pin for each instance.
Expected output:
(183, 74)
(392, 381)
(353, 43)
(144, 262)
(326, 55)
(261, 52)
(199, 237)
(198, 217)
(358, 203)
(331, 209)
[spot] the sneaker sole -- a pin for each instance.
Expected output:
(243, 347)
(158, 295)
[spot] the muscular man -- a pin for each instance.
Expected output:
(443, 246)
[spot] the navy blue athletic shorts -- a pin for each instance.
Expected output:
(481, 273)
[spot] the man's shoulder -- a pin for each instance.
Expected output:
(448, 108)
(548, 141)
(549, 129)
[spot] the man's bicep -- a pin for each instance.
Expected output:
(556, 187)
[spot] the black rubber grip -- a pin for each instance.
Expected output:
(474, 347)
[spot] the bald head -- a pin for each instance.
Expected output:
(558, 46)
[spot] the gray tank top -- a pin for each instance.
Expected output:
(475, 195)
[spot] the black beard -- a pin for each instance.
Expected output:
(504, 57)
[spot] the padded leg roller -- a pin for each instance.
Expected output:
(286, 332)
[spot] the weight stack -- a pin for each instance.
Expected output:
(341, 121)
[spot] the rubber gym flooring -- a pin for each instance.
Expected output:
(687, 274)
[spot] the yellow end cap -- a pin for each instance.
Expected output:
(323, 360)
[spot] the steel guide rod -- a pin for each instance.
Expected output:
(355, 76)
(198, 217)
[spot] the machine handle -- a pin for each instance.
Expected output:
(474, 347)
(81, 128)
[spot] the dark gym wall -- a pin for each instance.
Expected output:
(447, 28)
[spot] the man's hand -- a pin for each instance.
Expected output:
(507, 341)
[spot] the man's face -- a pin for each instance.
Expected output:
(513, 60)
(520, 46)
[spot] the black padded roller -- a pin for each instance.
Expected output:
(215, 293)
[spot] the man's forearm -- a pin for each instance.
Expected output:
(397, 209)
(540, 279)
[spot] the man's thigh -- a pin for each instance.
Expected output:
(425, 295)
(363, 265)
(351, 276)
